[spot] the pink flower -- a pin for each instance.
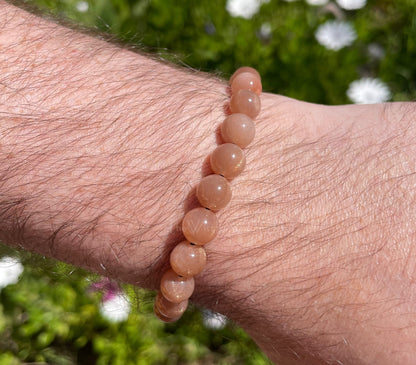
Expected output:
(114, 305)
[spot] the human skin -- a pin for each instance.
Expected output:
(101, 150)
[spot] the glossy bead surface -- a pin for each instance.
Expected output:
(228, 160)
(246, 102)
(246, 81)
(244, 69)
(214, 192)
(162, 317)
(200, 226)
(238, 129)
(175, 288)
(187, 259)
(169, 309)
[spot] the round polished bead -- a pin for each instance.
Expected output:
(246, 81)
(200, 226)
(238, 129)
(169, 309)
(228, 160)
(162, 317)
(244, 69)
(214, 192)
(176, 288)
(188, 259)
(246, 102)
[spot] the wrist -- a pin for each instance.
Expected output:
(320, 235)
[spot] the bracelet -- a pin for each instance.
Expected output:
(200, 225)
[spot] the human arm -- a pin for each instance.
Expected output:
(101, 151)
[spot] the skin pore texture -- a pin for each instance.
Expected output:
(101, 149)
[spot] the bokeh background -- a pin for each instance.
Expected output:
(330, 52)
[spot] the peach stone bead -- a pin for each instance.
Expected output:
(200, 226)
(247, 81)
(187, 259)
(214, 192)
(246, 102)
(169, 309)
(176, 288)
(244, 69)
(162, 317)
(228, 160)
(238, 129)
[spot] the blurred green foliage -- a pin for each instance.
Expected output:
(50, 316)
(203, 35)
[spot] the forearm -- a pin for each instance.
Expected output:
(96, 160)
(101, 151)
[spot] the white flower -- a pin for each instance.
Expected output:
(244, 8)
(82, 6)
(214, 320)
(368, 91)
(351, 4)
(115, 309)
(335, 34)
(265, 31)
(375, 51)
(317, 2)
(10, 270)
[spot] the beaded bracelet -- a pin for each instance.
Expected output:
(200, 225)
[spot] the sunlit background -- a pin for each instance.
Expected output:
(330, 52)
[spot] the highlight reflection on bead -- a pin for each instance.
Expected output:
(244, 69)
(228, 160)
(188, 259)
(246, 81)
(176, 288)
(238, 129)
(214, 192)
(246, 102)
(200, 226)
